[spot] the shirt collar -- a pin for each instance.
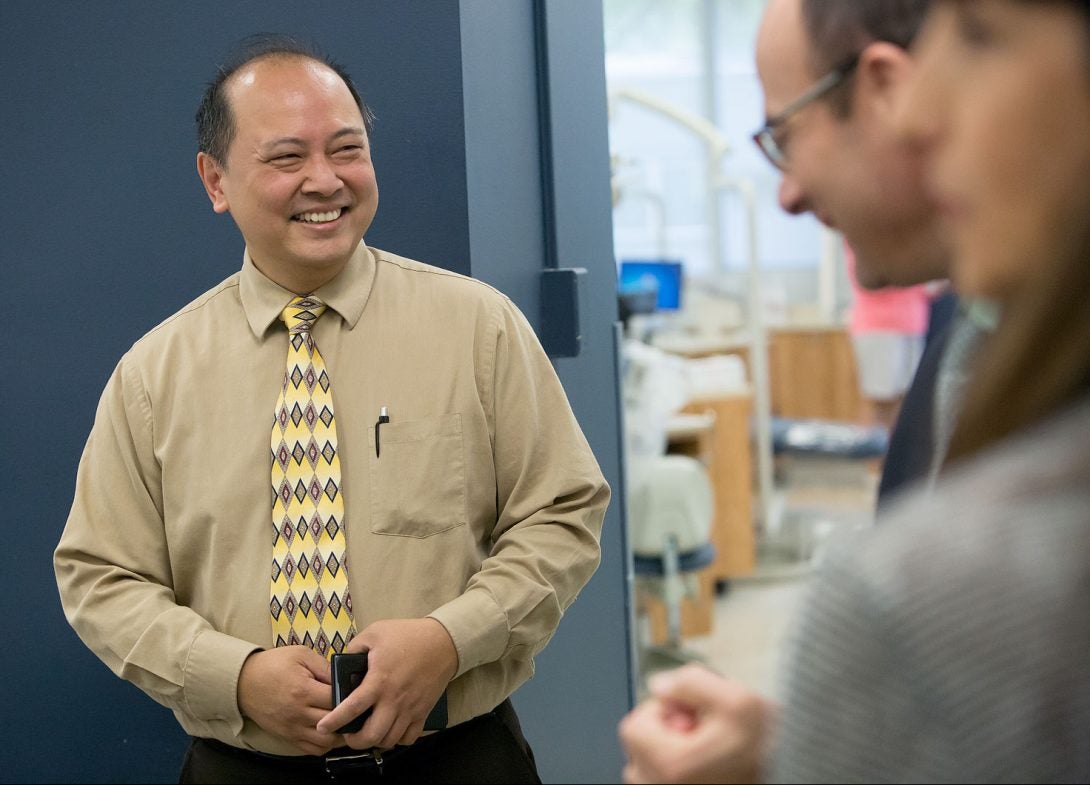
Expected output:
(263, 299)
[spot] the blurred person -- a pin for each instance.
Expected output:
(831, 71)
(929, 651)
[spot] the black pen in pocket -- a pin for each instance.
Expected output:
(383, 416)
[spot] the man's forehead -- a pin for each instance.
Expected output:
(276, 92)
(782, 54)
(273, 70)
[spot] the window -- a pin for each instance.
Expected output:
(661, 51)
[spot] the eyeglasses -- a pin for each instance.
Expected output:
(766, 138)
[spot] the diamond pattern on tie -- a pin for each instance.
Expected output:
(310, 602)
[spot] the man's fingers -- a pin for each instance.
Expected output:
(309, 738)
(359, 643)
(640, 726)
(317, 665)
(393, 736)
(374, 731)
(694, 689)
(360, 700)
(314, 695)
(410, 736)
(678, 718)
(314, 747)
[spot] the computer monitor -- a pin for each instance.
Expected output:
(661, 275)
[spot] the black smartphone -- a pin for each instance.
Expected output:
(348, 672)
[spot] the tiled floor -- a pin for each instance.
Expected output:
(751, 622)
(753, 617)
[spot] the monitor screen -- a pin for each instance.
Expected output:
(661, 275)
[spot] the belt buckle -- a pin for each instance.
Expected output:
(338, 763)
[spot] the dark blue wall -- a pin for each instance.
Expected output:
(105, 230)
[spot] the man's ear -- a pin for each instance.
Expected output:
(211, 174)
(881, 76)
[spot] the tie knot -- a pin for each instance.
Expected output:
(301, 313)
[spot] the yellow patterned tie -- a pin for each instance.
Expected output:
(310, 601)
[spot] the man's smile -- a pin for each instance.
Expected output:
(327, 216)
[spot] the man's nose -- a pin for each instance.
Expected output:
(792, 196)
(321, 177)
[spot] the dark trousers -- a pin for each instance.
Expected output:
(487, 749)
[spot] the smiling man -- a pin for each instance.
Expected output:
(833, 74)
(296, 175)
(334, 451)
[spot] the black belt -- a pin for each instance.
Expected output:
(341, 759)
(333, 762)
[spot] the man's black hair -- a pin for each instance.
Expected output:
(216, 122)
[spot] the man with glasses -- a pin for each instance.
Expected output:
(831, 71)
(771, 138)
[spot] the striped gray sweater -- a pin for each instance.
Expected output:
(952, 643)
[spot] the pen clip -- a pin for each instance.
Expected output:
(383, 416)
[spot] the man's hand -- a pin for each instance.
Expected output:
(286, 691)
(696, 727)
(409, 664)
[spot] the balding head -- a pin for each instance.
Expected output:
(215, 119)
(783, 53)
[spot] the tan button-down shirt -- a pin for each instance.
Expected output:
(483, 510)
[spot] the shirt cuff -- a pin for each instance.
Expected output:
(478, 627)
(211, 677)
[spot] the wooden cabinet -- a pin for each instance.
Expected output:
(812, 374)
(811, 370)
(730, 468)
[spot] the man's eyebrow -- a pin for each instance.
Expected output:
(348, 131)
(283, 140)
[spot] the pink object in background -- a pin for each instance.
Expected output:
(887, 328)
(892, 309)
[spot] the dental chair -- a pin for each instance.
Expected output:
(826, 452)
(670, 520)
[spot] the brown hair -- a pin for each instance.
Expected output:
(838, 29)
(1038, 361)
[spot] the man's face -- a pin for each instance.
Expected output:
(298, 179)
(854, 173)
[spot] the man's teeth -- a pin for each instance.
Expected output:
(319, 218)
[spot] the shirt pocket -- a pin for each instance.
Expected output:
(418, 477)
